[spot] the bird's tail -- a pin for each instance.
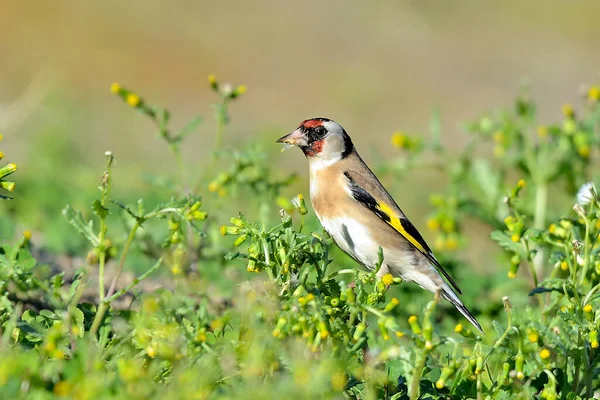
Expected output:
(449, 295)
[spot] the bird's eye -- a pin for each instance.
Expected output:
(320, 131)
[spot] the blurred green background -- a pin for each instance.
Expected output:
(374, 67)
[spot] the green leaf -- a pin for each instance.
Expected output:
(487, 181)
(75, 218)
(99, 209)
(505, 241)
(78, 318)
(188, 128)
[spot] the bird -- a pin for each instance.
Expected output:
(361, 216)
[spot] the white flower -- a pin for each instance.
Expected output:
(586, 194)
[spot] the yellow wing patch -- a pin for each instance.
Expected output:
(395, 223)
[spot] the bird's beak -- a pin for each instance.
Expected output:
(296, 138)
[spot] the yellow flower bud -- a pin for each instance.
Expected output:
(387, 279)
(133, 100)
(115, 88)
(568, 111)
(241, 89)
(10, 186)
(451, 243)
(564, 266)
(399, 140)
(594, 93)
(545, 354)
(533, 337)
(433, 224)
(212, 81)
(584, 151)
(499, 137)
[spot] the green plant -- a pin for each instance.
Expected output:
(161, 306)
(4, 172)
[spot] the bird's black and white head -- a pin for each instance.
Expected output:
(322, 140)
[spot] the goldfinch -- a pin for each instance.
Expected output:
(361, 216)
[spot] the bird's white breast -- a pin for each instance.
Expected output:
(353, 238)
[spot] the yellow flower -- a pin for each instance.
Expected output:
(545, 354)
(399, 334)
(552, 228)
(213, 187)
(216, 324)
(1, 155)
(201, 335)
(1, 137)
(533, 337)
(499, 137)
(133, 100)
(27, 235)
(433, 224)
(241, 89)
(387, 279)
(515, 238)
(176, 270)
(62, 389)
(115, 88)
(499, 151)
(584, 151)
(212, 79)
(594, 344)
(448, 225)
(458, 328)
(151, 351)
(439, 243)
(568, 111)
(412, 319)
(338, 381)
(542, 131)
(399, 140)
(521, 183)
(512, 275)
(588, 308)
(451, 243)
(594, 93)
(564, 266)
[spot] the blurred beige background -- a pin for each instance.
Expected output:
(374, 67)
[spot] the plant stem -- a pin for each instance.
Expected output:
(539, 221)
(115, 280)
(103, 306)
(586, 260)
(134, 282)
(417, 373)
(105, 198)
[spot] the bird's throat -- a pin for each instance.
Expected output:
(314, 148)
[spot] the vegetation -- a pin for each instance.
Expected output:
(162, 301)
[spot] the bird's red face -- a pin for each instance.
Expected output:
(320, 139)
(309, 136)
